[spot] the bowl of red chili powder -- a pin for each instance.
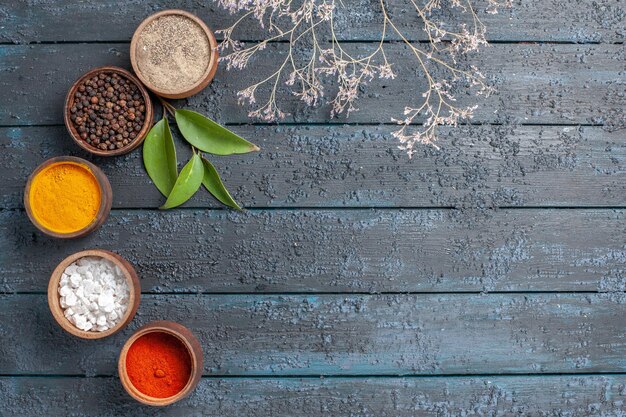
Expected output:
(160, 363)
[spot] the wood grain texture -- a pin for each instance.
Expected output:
(348, 166)
(345, 335)
(572, 396)
(535, 20)
(311, 249)
(540, 83)
(340, 250)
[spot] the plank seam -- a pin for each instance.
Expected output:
(342, 293)
(339, 124)
(346, 376)
(345, 41)
(358, 208)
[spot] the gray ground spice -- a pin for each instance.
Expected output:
(173, 53)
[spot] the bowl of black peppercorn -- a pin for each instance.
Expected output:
(108, 111)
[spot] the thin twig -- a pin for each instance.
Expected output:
(298, 23)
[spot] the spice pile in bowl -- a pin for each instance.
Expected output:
(158, 365)
(108, 111)
(67, 197)
(173, 53)
(94, 294)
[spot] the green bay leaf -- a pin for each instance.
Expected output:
(159, 157)
(206, 135)
(213, 183)
(187, 183)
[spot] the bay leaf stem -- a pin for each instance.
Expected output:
(167, 106)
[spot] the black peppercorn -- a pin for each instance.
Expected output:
(107, 110)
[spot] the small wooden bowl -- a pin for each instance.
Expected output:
(211, 67)
(140, 136)
(54, 298)
(106, 197)
(195, 353)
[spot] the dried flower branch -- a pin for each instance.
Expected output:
(300, 23)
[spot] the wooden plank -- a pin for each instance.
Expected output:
(548, 20)
(540, 83)
(346, 335)
(348, 166)
(572, 396)
(340, 250)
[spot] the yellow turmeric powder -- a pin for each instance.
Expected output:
(65, 197)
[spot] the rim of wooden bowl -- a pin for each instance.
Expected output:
(211, 67)
(142, 133)
(194, 349)
(54, 298)
(106, 197)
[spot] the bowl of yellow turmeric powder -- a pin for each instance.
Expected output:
(67, 197)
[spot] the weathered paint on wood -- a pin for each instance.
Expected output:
(346, 251)
(536, 20)
(572, 396)
(345, 334)
(340, 250)
(540, 83)
(346, 166)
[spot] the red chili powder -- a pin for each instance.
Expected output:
(158, 364)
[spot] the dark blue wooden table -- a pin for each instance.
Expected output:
(485, 278)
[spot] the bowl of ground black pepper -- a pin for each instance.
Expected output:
(174, 53)
(108, 111)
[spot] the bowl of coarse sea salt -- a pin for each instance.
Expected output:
(94, 293)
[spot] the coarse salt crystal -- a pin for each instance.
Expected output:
(105, 300)
(75, 279)
(64, 291)
(71, 299)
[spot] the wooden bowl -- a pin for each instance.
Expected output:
(54, 298)
(211, 67)
(106, 196)
(195, 353)
(74, 133)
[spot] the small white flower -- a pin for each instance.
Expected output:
(385, 71)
